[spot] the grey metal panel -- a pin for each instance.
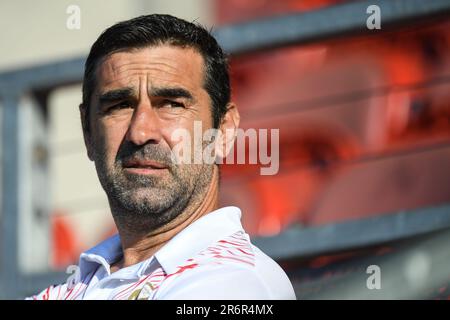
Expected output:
(33, 224)
(10, 200)
(32, 284)
(296, 242)
(322, 24)
(412, 269)
(44, 76)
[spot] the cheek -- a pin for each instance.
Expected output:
(172, 134)
(182, 129)
(188, 140)
(192, 123)
(110, 137)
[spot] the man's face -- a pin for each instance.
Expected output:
(141, 97)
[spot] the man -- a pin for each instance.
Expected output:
(145, 79)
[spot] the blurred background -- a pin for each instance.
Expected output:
(364, 119)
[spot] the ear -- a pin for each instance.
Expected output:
(228, 130)
(86, 131)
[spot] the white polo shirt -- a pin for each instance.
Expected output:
(212, 258)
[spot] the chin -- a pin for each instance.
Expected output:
(152, 198)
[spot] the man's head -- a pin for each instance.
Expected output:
(144, 79)
(157, 29)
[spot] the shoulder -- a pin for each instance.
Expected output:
(231, 268)
(274, 276)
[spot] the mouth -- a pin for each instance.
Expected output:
(144, 167)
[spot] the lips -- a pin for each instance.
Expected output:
(144, 164)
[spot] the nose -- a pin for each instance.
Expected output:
(144, 125)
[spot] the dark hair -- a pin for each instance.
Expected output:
(158, 29)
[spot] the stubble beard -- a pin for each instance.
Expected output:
(143, 203)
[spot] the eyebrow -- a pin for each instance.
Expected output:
(116, 95)
(126, 93)
(175, 92)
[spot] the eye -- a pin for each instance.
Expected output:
(173, 104)
(119, 106)
(122, 104)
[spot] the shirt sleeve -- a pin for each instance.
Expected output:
(54, 292)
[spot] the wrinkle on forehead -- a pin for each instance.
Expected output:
(161, 64)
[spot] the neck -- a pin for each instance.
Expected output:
(137, 248)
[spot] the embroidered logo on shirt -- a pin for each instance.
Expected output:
(142, 293)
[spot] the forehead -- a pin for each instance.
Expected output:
(157, 65)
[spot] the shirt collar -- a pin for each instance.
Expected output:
(198, 236)
(105, 253)
(184, 245)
